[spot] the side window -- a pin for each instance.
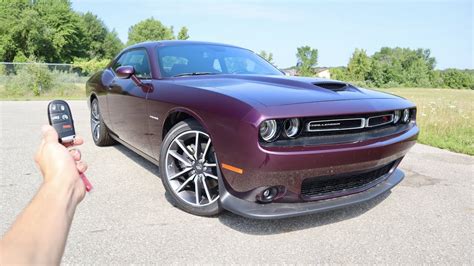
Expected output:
(119, 61)
(138, 59)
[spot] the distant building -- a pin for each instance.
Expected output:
(290, 72)
(320, 72)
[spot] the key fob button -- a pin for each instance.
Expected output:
(60, 118)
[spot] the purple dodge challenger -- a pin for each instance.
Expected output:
(230, 131)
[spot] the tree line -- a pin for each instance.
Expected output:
(388, 67)
(51, 31)
(401, 67)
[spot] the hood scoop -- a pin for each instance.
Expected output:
(334, 86)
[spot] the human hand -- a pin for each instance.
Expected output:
(61, 167)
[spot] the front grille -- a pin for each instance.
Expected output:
(335, 186)
(335, 124)
(348, 123)
(379, 120)
(329, 130)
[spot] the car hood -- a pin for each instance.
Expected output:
(280, 90)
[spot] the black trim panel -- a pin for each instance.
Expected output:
(284, 210)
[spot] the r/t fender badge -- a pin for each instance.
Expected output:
(154, 117)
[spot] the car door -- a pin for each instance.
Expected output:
(127, 99)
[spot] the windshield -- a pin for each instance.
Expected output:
(206, 59)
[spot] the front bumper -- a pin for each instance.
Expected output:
(284, 210)
(239, 193)
(263, 168)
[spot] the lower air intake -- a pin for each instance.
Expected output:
(316, 188)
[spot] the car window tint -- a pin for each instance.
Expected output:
(139, 60)
(169, 61)
(217, 65)
(216, 59)
(119, 62)
(239, 65)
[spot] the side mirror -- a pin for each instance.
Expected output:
(125, 72)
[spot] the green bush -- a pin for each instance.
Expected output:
(3, 70)
(457, 79)
(401, 67)
(32, 79)
(68, 77)
(89, 67)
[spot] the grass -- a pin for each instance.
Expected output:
(444, 116)
(75, 91)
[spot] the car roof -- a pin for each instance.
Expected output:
(153, 44)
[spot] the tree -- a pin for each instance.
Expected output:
(49, 30)
(183, 34)
(31, 36)
(22, 30)
(46, 29)
(65, 27)
(307, 60)
(101, 42)
(112, 45)
(20, 57)
(397, 66)
(266, 56)
(90, 66)
(359, 65)
(376, 75)
(457, 79)
(149, 30)
(10, 15)
(339, 73)
(95, 33)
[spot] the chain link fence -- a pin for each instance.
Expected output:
(40, 79)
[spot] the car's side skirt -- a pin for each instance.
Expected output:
(137, 151)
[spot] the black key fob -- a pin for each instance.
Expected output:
(60, 117)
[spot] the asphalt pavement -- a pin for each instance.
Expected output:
(428, 218)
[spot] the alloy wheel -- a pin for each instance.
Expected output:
(95, 120)
(191, 168)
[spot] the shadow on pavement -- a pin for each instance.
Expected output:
(270, 227)
(138, 159)
(152, 168)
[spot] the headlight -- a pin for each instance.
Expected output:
(291, 127)
(396, 116)
(406, 116)
(268, 130)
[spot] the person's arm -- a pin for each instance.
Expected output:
(40, 232)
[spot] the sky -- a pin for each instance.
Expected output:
(334, 27)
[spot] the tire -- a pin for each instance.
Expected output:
(192, 184)
(100, 132)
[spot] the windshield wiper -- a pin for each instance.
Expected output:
(196, 74)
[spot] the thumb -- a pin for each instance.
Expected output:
(49, 134)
